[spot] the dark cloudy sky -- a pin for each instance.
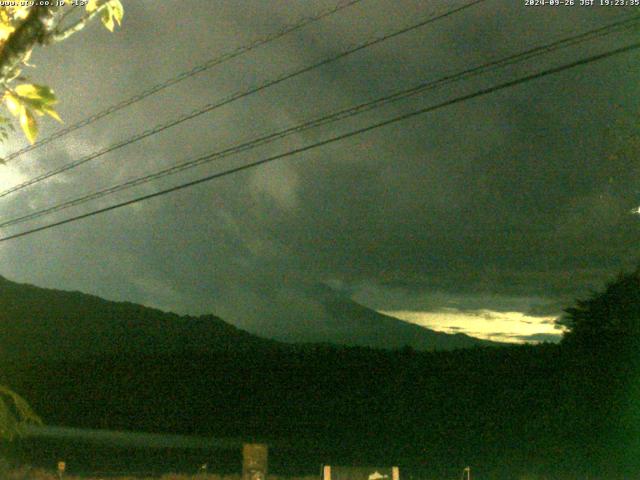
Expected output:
(488, 216)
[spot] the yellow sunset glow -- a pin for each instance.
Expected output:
(513, 327)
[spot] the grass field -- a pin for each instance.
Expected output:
(40, 474)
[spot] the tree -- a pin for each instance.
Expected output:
(22, 28)
(607, 321)
(602, 368)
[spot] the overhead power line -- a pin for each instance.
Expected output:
(337, 138)
(209, 64)
(236, 96)
(330, 118)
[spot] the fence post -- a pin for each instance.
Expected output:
(326, 472)
(62, 466)
(254, 461)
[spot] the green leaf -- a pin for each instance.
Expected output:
(107, 19)
(13, 104)
(42, 93)
(29, 125)
(92, 5)
(112, 14)
(52, 113)
(117, 10)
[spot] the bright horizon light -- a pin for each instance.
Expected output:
(512, 327)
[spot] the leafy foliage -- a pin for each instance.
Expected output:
(10, 16)
(602, 339)
(26, 101)
(609, 320)
(552, 411)
(22, 26)
(14, 413)
(111, 15)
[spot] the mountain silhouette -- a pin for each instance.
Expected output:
(50, 323)
(346, 322)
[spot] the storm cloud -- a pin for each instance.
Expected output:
(518, 201)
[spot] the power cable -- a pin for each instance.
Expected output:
(326, 119)
(236, 96)
(334, 139)
(213, 62)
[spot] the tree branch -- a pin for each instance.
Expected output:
(35, 29)
(58, 35)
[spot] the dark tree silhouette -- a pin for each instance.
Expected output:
(602, 340)
(608, 321)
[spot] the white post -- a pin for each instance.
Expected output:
(326, 472)
(254, 461)
(395, 473)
